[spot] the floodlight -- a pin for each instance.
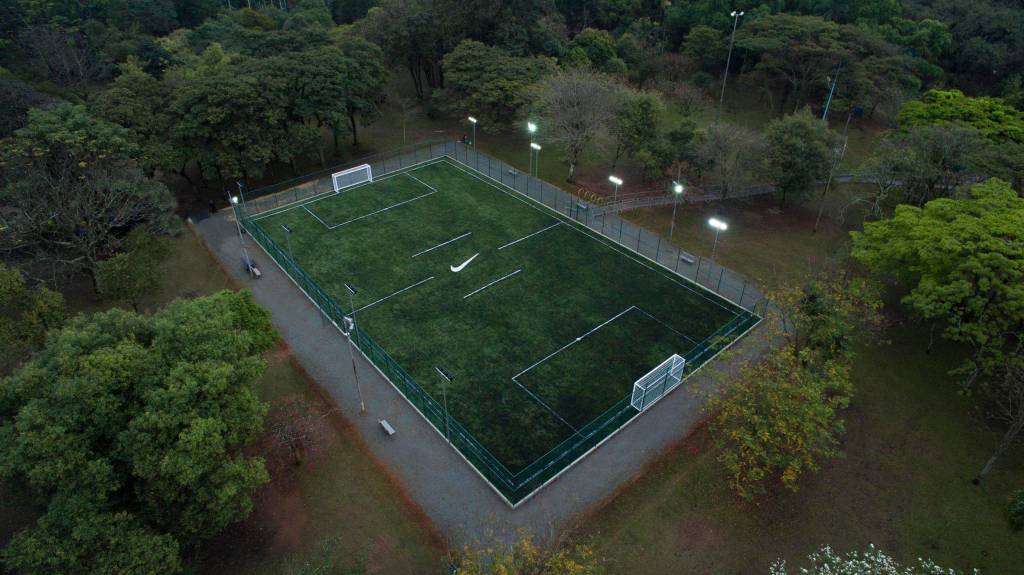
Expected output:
(234, 199)
(535, 146)
(615, 180)
(677, 187)
(471, 119)
(286, 228)
(531, 127)
(718, 224)
(735, 14)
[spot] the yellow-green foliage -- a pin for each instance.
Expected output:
(526, 557)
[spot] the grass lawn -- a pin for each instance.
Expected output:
(767, 245)
(495, 326)
(903, 484)
(340, 512)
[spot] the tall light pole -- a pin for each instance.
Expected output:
(351, 347)
(472, 120)
(238, 226)
(535, 147)
(677, 191)
(446, 378)
(721, 99)
(719, 226)
(615, 182)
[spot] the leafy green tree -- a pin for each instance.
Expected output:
(964, 261)
(412, 33)
(491, 84)
(26, 315)
(997, 121)
(800, 152)
(18, 98)
(365, 79)
(136, 423)
(129, 276)
(309, 15)
(635, 122)
(705, 47)
(600, 49)
(641, 47)
(495, 556)
(733, 155)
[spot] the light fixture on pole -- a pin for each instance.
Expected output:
(288, 238)
(535, 164)
(719, 226)
(446, 378)
(351, 347)
(238, 225)
(615, 182)
(721, 99)
(677, 192)
(472, 120)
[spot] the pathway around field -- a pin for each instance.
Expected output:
(451, 493)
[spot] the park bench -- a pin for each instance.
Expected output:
(387, 427)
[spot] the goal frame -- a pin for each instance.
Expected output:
(361, 167)
(656, 383)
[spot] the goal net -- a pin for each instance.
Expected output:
(351, 177)
(657, 382)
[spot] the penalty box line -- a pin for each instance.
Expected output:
(406, 288)
(575, 341)
(432, 191)
(512, 243)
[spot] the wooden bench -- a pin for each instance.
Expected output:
(686, 257)
(387, 427)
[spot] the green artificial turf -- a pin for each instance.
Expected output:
(506, 325)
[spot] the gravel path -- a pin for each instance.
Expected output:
(449, 490)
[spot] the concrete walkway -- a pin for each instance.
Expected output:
(451, 493)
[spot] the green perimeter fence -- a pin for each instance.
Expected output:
(513, 487)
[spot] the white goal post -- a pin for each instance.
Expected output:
(351, 177)
(657, 382)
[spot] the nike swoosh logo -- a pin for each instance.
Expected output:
(458, 268)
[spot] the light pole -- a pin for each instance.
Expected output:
(535, 147)
(238, 226)
(677, 190)
(720, 227)
(472, 120)
(446, 378)
(288, 238)
(728, 60)
(531, 128)
(615, 182)
(351, 347)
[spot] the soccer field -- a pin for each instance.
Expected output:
(542, 324)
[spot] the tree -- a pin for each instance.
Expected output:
(779, 420)
(733, 154)
(298, 426)
(68, 58)
(491, 84)
(995, 120)
(17, 98)
(365, 78)
(801, 151)
(1015, 511)
(964, 262)
(782, 417)
(872, 561)
(600, 50)
(129, 276)
(634, 123)
(128, 429)
(576, 105)
(705, 47)
(26, 315)
(412, 33)
(70, 191)
(495, 556)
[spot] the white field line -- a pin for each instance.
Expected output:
(331, 193)
(482, 288)
(530, 236)
(586, 231)
(310, 212)
(394, 294)
(575, 341)
(442, 244)
(421, 181)
(550, 409)
(345, 223)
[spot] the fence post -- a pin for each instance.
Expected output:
(657, 251)
(743, 292)
(620, 231)
(720, 274)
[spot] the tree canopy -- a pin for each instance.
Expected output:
(128, 429)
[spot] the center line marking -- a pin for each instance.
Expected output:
(481, 288)
(441, 244)
(530, 236)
